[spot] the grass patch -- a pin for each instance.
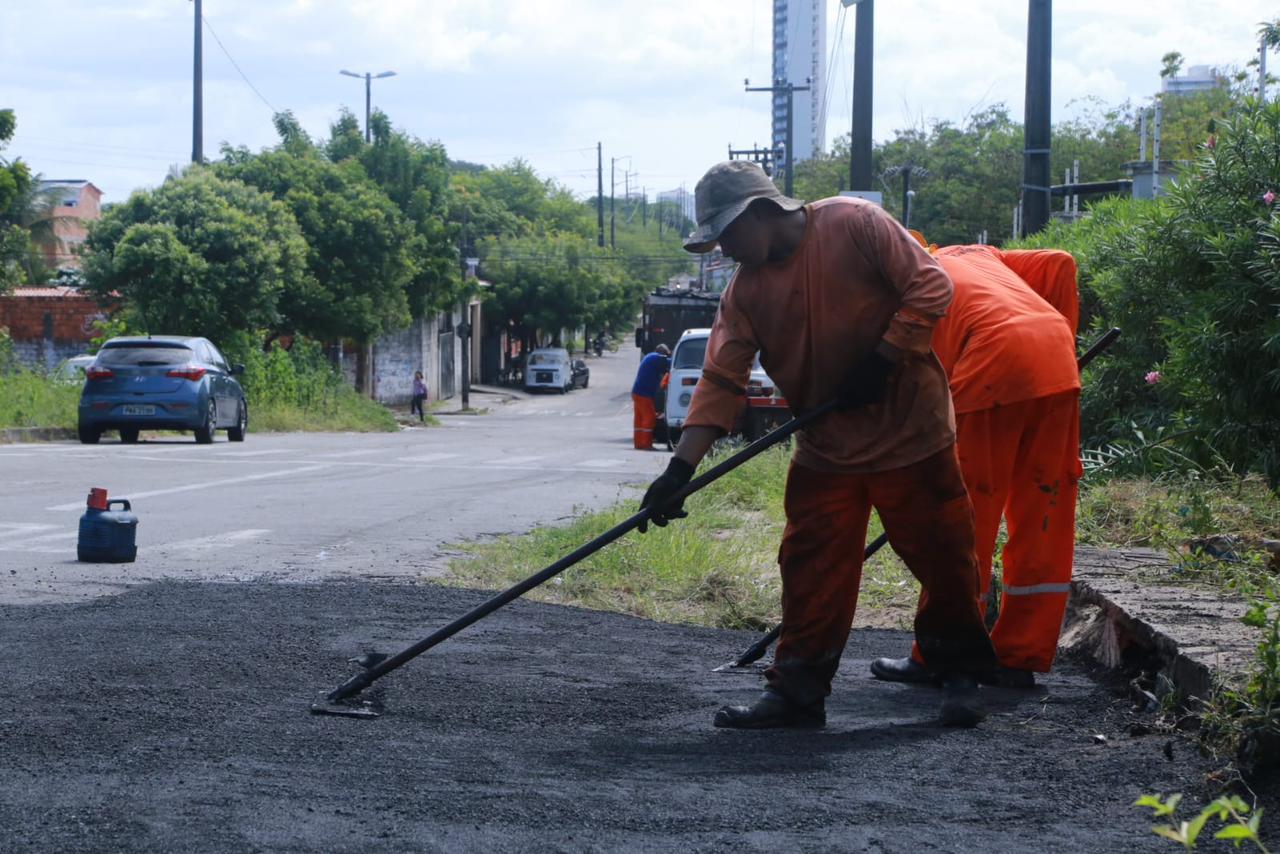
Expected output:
(30, 399)
(716, 568)
(345, 411)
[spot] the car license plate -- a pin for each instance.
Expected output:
(137, 410)
(543, 376)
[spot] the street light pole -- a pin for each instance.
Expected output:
(860, 144)
(368, 78)
(197, 92)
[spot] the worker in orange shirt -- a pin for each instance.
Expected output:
(1008, 346)
(840, 302)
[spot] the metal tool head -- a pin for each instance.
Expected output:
(735, 667)
(351, 708)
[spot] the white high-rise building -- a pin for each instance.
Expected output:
(800, 53)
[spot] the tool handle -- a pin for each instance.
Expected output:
(1101, 344)
(124, 501)
(364, 679)
(760, 647)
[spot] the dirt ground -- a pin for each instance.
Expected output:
(174, 717)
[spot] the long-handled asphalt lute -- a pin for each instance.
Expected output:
(343, 699)
(757, 650)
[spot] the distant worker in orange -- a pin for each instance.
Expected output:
(644, 393)
(1008, 347)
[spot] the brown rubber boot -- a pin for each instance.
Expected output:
(903, 670)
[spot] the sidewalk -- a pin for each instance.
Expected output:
(1189, 636)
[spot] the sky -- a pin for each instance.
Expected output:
(102, 90)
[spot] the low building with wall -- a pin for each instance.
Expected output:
(48, 325)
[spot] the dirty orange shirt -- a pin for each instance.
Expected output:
(856, 277)
(1001, 343)
(1051, 273)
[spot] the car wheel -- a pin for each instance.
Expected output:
(584, 382)
(129, 435)
(88, 435)
(237, 433)
(204, 433)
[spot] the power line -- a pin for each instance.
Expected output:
(236, 65)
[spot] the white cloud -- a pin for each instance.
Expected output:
(659, 80)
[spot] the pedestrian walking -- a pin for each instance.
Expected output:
(419, 396)
(840, 301)
(1008, 347)
(644, 395)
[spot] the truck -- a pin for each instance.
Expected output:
(668, 313)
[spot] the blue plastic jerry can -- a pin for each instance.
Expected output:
(106, 535)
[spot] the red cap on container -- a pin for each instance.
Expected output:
(97, 498)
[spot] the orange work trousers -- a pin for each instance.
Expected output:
(1022, 461)
(926, 513)
(646, 418)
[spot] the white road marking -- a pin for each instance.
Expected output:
(203, 544)
(364, 452)
(252, 453)
(511, 461)
(429, 458)
(230, 481)
(17, 529)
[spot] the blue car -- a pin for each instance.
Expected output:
(162, 382)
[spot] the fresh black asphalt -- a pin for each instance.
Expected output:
(175, 717)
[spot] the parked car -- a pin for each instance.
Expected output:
(581, 374)
(71, 371)
(765, 408)
(162, 382)
(548, 368)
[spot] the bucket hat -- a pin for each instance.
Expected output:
(723, 194)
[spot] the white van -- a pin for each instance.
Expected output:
(764, 408)
(686, 368)
(548, 368)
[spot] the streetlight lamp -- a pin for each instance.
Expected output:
(368, 94)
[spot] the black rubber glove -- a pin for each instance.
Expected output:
(670, 482)
(866, 383)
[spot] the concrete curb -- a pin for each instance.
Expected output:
(36, 434)
(1192, 637)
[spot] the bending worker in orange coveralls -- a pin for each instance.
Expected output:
(840, 301)
(1008, 346)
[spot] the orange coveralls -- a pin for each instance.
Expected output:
(855, 279)
(1008, 346)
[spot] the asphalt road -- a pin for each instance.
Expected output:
(310, 507)
(175, 718)
(144, 714)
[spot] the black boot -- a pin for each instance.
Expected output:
(902, 670)
(962, 704)
(772, 710)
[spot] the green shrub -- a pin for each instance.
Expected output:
(1193, 280)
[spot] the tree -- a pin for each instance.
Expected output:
(16, 184)
(200, 255)
(415, 176)
(358, 243)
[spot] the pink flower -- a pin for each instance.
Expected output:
(1210, 142)
(1269, 196)
(1153, 377)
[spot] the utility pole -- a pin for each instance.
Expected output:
(197, 92)
(789, 89)
(368, 96)
(1037, 129)
(860, 137)
(599, 195)
(760, 156)
(644, 207)
(613, 162)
